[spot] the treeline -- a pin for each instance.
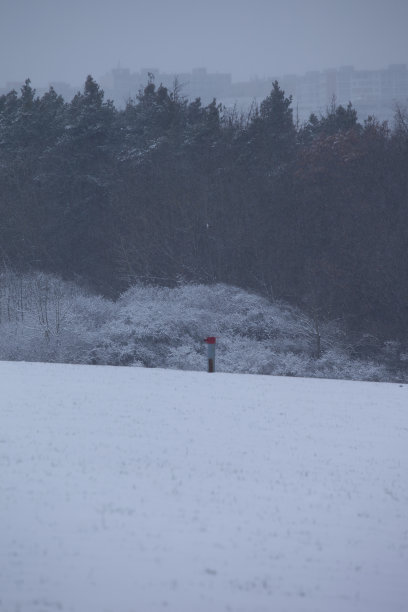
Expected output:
(169, 190)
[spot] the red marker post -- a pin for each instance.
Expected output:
(210, 341)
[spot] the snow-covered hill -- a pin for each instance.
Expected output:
(139, 490)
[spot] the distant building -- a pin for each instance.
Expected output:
(121, 85)
(64, 89)
(372, 92)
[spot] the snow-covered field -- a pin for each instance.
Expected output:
(139, 490)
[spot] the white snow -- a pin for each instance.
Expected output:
(137, 490)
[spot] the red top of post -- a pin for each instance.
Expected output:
(210, 340)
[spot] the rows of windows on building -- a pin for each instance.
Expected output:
(372, 92)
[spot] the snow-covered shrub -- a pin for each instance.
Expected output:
(43, 318)
(337, 364)
(46, 319)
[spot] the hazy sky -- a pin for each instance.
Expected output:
(67, 39)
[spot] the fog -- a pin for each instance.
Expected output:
(49, 40)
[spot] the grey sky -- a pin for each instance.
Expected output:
(68, 39)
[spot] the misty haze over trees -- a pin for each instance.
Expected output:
(170, 192)
(372, 92)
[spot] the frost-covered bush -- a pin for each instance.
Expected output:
(43, 318)
(164, 327)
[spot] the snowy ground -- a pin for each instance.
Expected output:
(134, 490)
